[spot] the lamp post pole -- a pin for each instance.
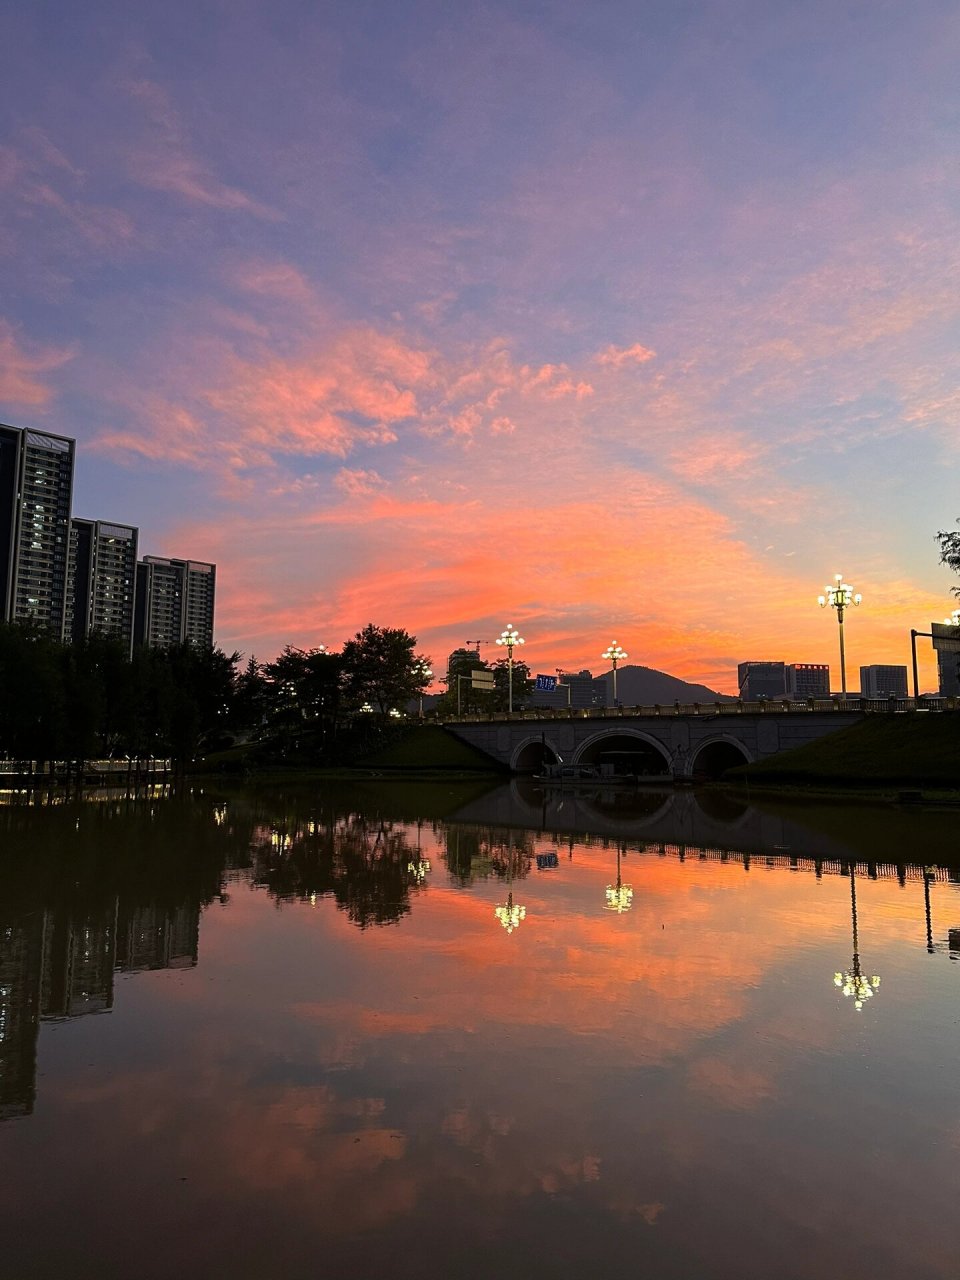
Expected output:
(423, 670)
(840, 597)
(952, 621)
(613, 653)
(508, 638)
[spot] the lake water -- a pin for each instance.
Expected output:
(431, 1030)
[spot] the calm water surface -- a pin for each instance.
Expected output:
(427, 1031)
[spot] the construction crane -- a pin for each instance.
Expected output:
(476, 644)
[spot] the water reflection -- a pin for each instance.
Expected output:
(328, 1048)
(853, 981)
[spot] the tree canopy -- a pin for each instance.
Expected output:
(950, 551)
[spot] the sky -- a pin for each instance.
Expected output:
(634, 321)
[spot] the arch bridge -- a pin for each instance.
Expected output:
(679, 743)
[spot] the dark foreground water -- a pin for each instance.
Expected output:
(423, 1031)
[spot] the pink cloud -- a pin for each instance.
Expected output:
(617, 357)
(165, 161)
(20, 367)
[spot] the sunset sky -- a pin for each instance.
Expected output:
(628, 321)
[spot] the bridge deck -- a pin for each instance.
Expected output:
(660, 711)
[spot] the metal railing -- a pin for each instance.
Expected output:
(710, 710)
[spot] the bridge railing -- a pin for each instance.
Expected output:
(711, 710)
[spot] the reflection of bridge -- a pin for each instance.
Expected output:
(677, 742)
(712, 823)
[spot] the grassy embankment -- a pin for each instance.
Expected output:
(894, 753)
(421, 749)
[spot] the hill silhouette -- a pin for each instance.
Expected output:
(643, 686)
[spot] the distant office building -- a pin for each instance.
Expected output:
(174, 602)
(761, 680)
(881, 681)
(808, 680)
(574, 689)
(462, 660)
(946, 642)
(36, 487)
(102, 567)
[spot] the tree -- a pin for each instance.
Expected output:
(522, 684)
(381, 667)
(950, 552)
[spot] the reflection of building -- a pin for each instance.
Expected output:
(879, 681)
(36, 485)
(78, 961)
(102, 571)
(807, 680)
(946, 641)
(761, 680)
(21, 963)
(152, 938)
(174, 602)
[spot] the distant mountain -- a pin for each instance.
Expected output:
(642, 686)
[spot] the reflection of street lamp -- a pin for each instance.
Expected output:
(508, 638)
(419, 867)
(511, 914)
(423, 671)
(840, 597)
(619, 895)
(852, 982)
(614, 654)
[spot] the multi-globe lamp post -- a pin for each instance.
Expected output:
(614, 654)
(423, 671)
(840, 597)
(508, 639)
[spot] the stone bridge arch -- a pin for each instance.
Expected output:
(629, 750)
(532, 752)
(721, 751)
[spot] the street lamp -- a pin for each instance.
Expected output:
(423, 671)
(953, 620)
(509, 637)
(613, 653)
(840, 597)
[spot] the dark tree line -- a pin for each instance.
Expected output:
(91, 699)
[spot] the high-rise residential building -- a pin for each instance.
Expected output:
(881, 681)
(946, 642)
(808, 680)
(36, 487)
(761, 680)
(102, 567)
(174, 602)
